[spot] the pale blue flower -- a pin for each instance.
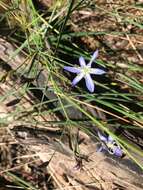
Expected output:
(85, 71)
(110, 145)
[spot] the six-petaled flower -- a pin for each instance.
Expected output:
(85, 71)
(110, 145)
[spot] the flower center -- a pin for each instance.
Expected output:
(86, 70)
(110, 145)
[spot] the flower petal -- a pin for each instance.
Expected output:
(100, 149)
(72, 69)
(102, 138)
(89, 82)
(110, 139)
(82, 62)
(77, 79)
(118, 152)
(97, 71)
(94, 56)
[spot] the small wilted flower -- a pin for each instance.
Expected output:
(110, 145)
(85, 71)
